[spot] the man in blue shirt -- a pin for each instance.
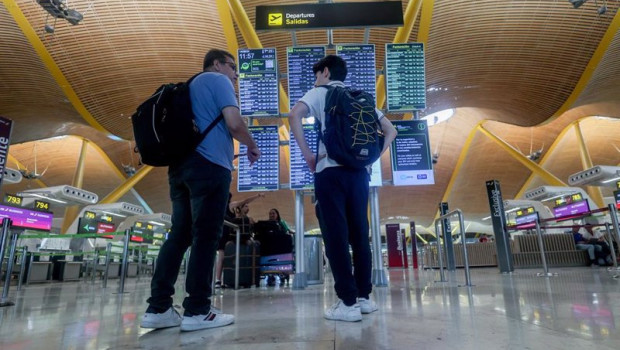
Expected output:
(199, 187)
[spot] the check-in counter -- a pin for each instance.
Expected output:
(66, 270)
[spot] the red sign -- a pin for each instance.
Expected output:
(396, 247)
(104, 227)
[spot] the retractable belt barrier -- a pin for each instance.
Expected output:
(440, 220)
(609, 229)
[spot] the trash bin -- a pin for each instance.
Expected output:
(313, 253)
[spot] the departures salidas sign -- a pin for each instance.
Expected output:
(313, 16)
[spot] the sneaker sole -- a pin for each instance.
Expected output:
(195, 327)
(365, 312)
(157, 326)
(344, 319)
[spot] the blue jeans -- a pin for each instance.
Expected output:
(199, 193)
(342, 202)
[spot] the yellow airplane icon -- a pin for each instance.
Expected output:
(275, 19)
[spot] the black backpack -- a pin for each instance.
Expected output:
(352, 135)
(164, 126)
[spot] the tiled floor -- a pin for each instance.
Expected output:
(578, 309)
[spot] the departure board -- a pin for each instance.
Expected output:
(299, 61)
(362, 72)
(404, 77)
(258, 82)
(301, 177)
(264, 174)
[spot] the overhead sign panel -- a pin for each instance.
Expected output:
(362, 71)
(340, 15)
(258, 82)
(26, 218)
(411, 154)
(6, 126)
(404, 77)
(301, 177)
(299, 61)
(264, 174)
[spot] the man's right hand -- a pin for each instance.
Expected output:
(253, 154)
(311, 161)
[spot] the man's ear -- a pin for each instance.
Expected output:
(327, 73)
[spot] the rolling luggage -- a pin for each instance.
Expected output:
(249, 268)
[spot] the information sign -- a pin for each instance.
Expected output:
(404, 77)
(41, 205)
(12, 199)
(329, 15)
(264, 174)
(258, 82)
(26, 218)
(362, 71)
(299, 61)
(411, 154)
(301, 177)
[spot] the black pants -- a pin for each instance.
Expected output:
(342, 201)
(199, 193)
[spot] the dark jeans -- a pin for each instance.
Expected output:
(199, 193)
(342, 202)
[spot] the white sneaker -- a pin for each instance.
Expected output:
(340, 312)
(170, 318)
(367, 306)
(210, 320)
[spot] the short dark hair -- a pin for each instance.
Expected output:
(215, 55)
(336, 65)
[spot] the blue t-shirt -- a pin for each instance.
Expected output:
(210, 93)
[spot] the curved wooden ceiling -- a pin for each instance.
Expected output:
(526, 69)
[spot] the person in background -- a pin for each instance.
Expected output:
(199, 186)
(274, 215)
(602, 249)
(229, 234)
(581, 243)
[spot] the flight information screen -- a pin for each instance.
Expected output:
(404, 77)
(258, 82)
(362, 73)
(411, 156)
(299, 61)
(264, 174)
(301, 177)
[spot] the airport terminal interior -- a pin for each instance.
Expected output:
(508, 149)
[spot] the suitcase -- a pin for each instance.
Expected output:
(249, 268)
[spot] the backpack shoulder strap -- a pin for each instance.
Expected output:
(215, 121)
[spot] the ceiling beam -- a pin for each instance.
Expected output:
(535, 168)
(595, 60)
(586, 163)
(51, 65)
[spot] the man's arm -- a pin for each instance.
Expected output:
(389, 132)
(299, 111)
(239, 131)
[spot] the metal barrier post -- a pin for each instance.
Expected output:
(124, 263)
(107, 265)
(29, 268)
(301, 277)
(459, 213)
(613, 212)
(541, 246)
(379, 278)
(611, 246)
(9, 270)
(442, 277)
(4, 238)
(22, 267)
(237, 252)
